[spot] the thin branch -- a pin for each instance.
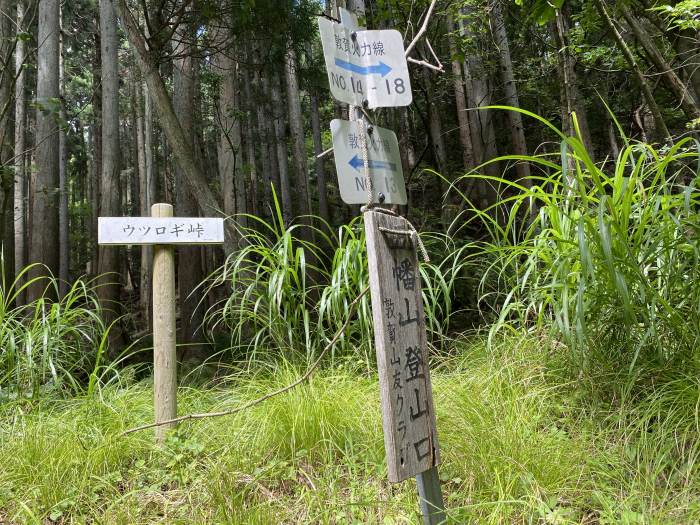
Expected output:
(439, 68)
(307, 374)
(422, 29)
(324, 153)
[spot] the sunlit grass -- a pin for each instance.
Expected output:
(519, 445)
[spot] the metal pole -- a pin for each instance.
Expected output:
(430, 496)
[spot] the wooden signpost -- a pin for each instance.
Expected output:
(164, 232)
(369, 171)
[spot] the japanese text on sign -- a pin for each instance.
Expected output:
(408, 415)
(166, 230)
(365, 65)
(383, 162)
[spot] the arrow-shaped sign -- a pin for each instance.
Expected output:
(357, 163)
(379, 69)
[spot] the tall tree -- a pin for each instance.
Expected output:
(20, 134)
(673, 81)
(661, 127)
(282, 153)
(190, 272)
(296, 127)
(230, 151)
(7, 37)
(510, 89)
(63, 226)
(571, 101)
(110, 194)
(180, 146)
(476, 77)
(145, 171)
(319, 162)
(465, 137)
(43, 230)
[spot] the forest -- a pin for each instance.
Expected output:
(550, 151)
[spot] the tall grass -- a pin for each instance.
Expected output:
(47, 345)
(517, 446)
(289, 294)
(611, 259)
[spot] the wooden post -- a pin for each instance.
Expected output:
(164, 356)
(163, 232)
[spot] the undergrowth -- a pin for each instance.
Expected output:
(46, 345)
(290, 295)
(606, 256)
(519, 445)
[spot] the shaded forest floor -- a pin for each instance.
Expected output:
(521, 443)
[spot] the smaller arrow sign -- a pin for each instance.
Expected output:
(357, 163)
(378, 69)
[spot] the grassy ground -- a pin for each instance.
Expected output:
(520, 444)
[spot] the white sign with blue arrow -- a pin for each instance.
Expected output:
(365, 66)
(383, 160)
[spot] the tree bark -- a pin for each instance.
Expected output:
(688, 47)
(109, 278)
(319, 162)
(510, 90)
(481, 121)
(190, 273)
(263, 140)
(465, 138)
(672, 80)
(63, 226)
(146, 195)
(43, 244)
(249, 134)
(96, 146)
(230, 154)
(629, 57)
(282, 153)
(570, 96)
(296, 127)
(20, 134)
(7, 179)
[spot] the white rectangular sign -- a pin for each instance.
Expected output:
(155, 230)
(383, 159)
(369, 67)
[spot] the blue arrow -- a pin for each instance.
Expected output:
(379, 69)
(357, 163)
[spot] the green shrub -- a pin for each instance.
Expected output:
(47, 344)
(291, 295)
(607, 255)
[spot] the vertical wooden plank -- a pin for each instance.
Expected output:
(408, 415)
(164, 356)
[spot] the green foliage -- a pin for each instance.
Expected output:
(291, 295)
(611, 259)
(47, 345)
(541, 11)
(681, 15)
(519, 445)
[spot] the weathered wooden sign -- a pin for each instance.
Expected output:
(365, 66)
(163, 231)
(383, 162)
(408, 415)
